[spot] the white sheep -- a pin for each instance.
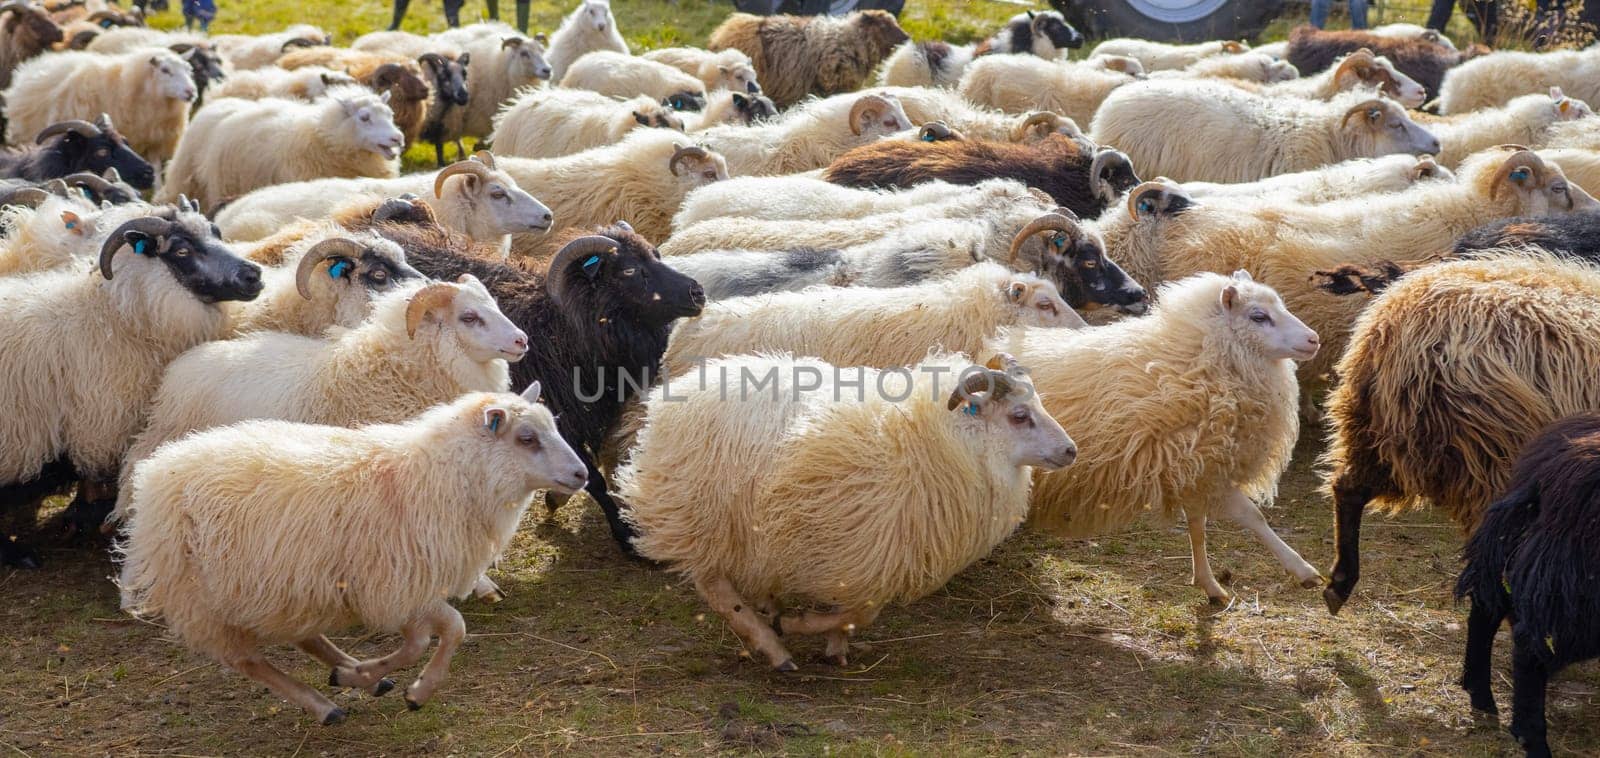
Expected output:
(1258, 68)
(145, 92)
(1192, 408)
(233, 560)
(587, 28)
(328, 278)
(1160, 56)
(1023, 84)
(924, 104)
(1209, 131)
(420, 346)
(1045, 34)
(808, 136)
(549, 123)
(795, 198)
(1358, 70)
(252, 51)
(867, 326)
(623, 75)
(1359, 177)
(234, 146)
(728, 69)
(1496, 78)
(1526, 120)
(843, 499)
(307, 83)
(58, 232)
(502, 66)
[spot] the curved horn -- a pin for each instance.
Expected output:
(1052, 221)
(681, 152)
(400, 209)
(436, 295)
(151, 226)
(1034, 119)
(997, 383)
(433, 59)
(93, 181)
(11, 6)
(459, 167)
(296, 42)
(1137, 193)
(862, 104)
(555, 282)
(1104, 159)
(328, 248)
(30, 197)
(1361, 109)
(933, 131)
(485, 157)
(77, 126)
(1523, 156)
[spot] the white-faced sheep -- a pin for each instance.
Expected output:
(859, 500)
(795, 198)
(807, 137)
(549, 123)
(251, 51)
(307, 83)
(348, 133)
(419, 347)
(866, 326)
(410, 89)
(1208, 131)
(1195, 409)
(622, 75)
(1495, 79)
(235, 557)
(797, 56)
(925, 104)
(1527, 120)
(45, 230)
(329, 278)
(588, 28)
(1358, 70)
(1253, 67)
(502, 65)
(1359, 177)
(728, 69)
(205, 62)
(1045, 34)
(1023, 84)
(147, 93)
(161, 276)
(1160, 56)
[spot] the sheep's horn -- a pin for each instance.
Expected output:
(12, 6)
(1137, 193)
(459, 167)
(997, 383)
(30, 197)
(555, 281)
(79, 127)
(296, 42)
(862, 104)
(1104, 159)
(485, 157)
(934, 131)
(1001, 362)
(681, 152)
(1361, 109)
(401, 210)
(89, 179)
(337, 247)
(1522, 157)
(436, 295)
(103, 14)
(58, 186)
(1055, 120)
(1052, 221)
(103, 122)
(150, 226)
(433, 59)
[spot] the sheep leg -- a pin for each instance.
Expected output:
(320, 648)
(364, 674)
(1482, 624)
(1243, 511)
(1201, 575)
(1350, 501)
(757, 636)
(598, 489)
(293, 690)
(835, 629)
(451, 629)
(1529, 676)
(487, 591)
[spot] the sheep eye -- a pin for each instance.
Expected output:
(528, 439)
(379, 275)
(102, 152)
(1260, 318)
(498, 195)
(1559, 189)
(1019, 415)
(469, 318)
(630, 271)
(1091, 264)
(180, 251)
(366, 117)
(710, 175)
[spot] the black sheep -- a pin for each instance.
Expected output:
(1019, 34)
(70, 147)
(1533, 560)
(1577, 235)
(597, 324)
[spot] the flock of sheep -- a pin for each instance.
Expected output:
(807, 313)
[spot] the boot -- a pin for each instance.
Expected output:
(452, 12)
(400, 7)
(494, 9)
(522, 15)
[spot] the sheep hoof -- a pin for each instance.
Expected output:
(383, 687)
(1334, 600)
(1311, 583)
(787, 666)
(412, 705)
(334, 716)
(1217, 599)
(492, 596)
(839, 661)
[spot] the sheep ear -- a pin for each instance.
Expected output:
(740, 101)
(1556, 94)
(531, 394)
(384, 98)
(1015, 291)
(463, 59)
(155, 61)
(141, 243)
(1230, 297)
(541, 38)
(71, 221)
(494, 419)
(1030, 15)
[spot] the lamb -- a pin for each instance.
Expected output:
(602, 315)
(1082, 180)
(1159, 56)
(796, 56)
(1360, 177)
(850, 503)
(924, 104)
(307, 297)
(147, 92)
(1433, 410)
(1045, 34)
(1358, 70)
(1524, 121)
(74, 404)
(1195, 408)
(76, 146)
(1264, 137)
(350, 132)
(1495, 79)
(1023, 84)
(252, 51)
(467, 471)
(1312, 50)
(622, 75)
(1532, 562)
(588, 28)
(864, 326)
(25, 32)
(400, 78)
(806, 137)
(550, 123)
(306, 84)
(728, 69)
(799, 198)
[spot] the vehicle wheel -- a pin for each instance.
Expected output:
(1172, 20)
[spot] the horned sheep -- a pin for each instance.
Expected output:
(1312, 50)
(502, 66)
(1358, 70)
(797, 56)
(434, 499)
(305, 297)
(588, 28)
(1527, 120)
(147, 92)
(75, 146)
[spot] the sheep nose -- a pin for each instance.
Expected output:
(520, 343)
(697, 295)
(1069, 454)
(548, 218)
(753, 87)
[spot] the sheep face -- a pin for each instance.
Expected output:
(1038, 302)
(1120, 63)
(524, 60)
(33, 29)
(467, 318)
(189, 250)
(1075, 259)
(98, 148)
(1278, 71)
(737, 76)
(696, 167)
(1381, 127)
(877, 116)
(372, 125)
(173, 77)
(1051, 32)
(596, 15)
(205, 66)
(1567, 108)
(498, 206)
(1363, 69)
(1541, 188)
(753, 108)
(1257, 317)
(1000, 396)
(373, 264)
(880, 30)
(523, 442)
(620, 272)
(449, 76)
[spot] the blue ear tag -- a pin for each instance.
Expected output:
(337, 269)
(928, 138)
(972, 408)
(1519, 174)
(589, 265)
(72, 224)
(139, 246)
(494, 423)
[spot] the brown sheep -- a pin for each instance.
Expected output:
(1079, 177)
(796, 56)
(1312, 50)
(397, 75)
(25, 31)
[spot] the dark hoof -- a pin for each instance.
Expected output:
(836, 660)
(412, 705)
(787, 666)
(384, 687)
(1217, 601)
(1332, 597)
(334, 716)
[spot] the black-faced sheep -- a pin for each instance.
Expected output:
(1045, 34)
(447, 79)
(147, 91)
(244, 555)
(70, 147)
(796, 56)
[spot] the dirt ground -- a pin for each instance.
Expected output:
(1082, 647)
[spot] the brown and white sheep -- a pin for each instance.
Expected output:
(796, 56)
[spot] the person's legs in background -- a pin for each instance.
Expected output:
(522, 15)
(494, 9)
(1319, 12)
(452, 12)
(400, 7)
(1439, 14)
(1358, 14)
